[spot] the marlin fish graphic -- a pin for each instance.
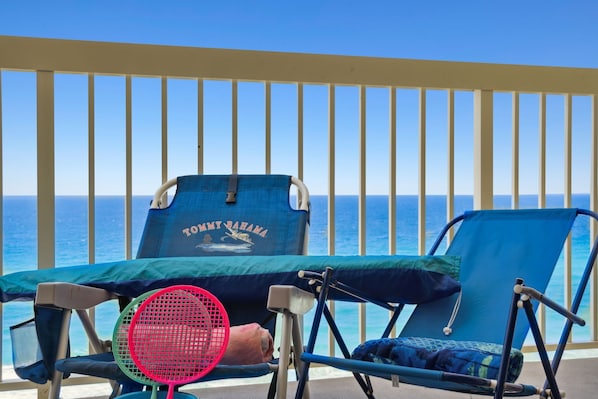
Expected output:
(236, 235)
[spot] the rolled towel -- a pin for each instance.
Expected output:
(248, 344)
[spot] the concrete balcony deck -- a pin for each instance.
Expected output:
(576, 377)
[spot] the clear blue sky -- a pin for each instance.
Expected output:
(549, 32)
(544, 32)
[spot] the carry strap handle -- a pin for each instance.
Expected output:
(231, 194)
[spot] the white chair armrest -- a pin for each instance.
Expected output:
(289, 298)
(70, 296)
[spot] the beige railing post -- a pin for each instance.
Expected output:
(45, 178)
(1, 219)
(594, 207)
(45, 169)
(483, 160)
(421, 173)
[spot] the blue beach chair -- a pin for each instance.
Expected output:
(209, 215)
(470, 342)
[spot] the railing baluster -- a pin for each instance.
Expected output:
(46, 235)
(421, 194)
(91, 210)
(362, 216)
(392, 171)
(594, 206)
(361, 198)
(300, 131)
(164, 132)
(128, 168)
(235, 127)
(568, 153)
(542, 181)
(542, 150)
(331, 169)
(91, 171)
(450, 186)
(483, 190)
(331, 193)
(200, 127)
(515, 150)
(1, 220)
(268, 122)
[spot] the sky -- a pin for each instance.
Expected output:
(538, 32)
(548, 33)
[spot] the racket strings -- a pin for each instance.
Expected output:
(179, 335)
(120, 342)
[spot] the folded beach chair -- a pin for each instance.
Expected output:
(470, 342)
(209, 215)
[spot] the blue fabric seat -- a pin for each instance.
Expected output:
(470, 341)
(478, 359)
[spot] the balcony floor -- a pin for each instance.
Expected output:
(576, 377)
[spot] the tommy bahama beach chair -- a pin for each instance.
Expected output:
(470, 342)
(224, 216)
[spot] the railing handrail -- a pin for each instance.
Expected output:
(73, 56)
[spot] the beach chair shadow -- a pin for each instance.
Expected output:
(470, 342)
(209, 215)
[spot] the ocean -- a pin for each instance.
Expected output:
(20, 251)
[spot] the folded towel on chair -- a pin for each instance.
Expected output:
(480, 359)
(247, 344)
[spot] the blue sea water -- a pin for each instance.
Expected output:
(20, 251)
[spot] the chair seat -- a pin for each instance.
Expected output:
(100, 365)
(479, 359)
(103, 365)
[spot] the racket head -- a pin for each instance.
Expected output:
(178, 334)
(120, 342)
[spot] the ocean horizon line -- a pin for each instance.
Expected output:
(311, 195)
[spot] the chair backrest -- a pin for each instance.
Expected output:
(229, 215)
(226, 215)
(496, 247)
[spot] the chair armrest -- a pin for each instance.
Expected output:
(531, 292)
(283, 298)
(70, 296)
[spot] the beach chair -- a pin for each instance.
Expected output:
(209, 215)
(470, 342)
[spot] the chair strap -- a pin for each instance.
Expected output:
(448, 330)
(231, 194)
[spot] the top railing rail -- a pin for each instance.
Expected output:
(72, 56)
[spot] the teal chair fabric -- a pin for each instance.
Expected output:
(217, 215)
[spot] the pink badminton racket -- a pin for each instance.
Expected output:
(178, 335)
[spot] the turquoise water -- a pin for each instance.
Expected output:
(20, 251)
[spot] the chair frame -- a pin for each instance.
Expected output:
(522, 297)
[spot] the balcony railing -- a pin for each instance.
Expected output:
(352, 125)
